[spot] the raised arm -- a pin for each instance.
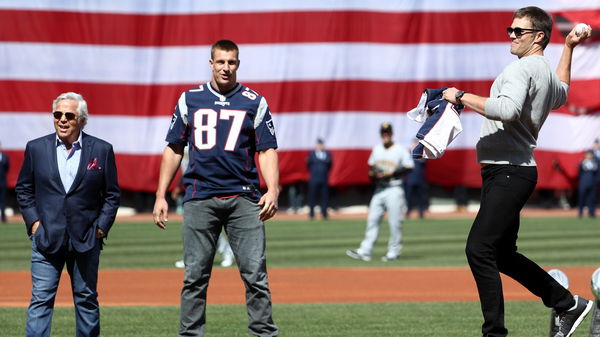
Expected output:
(563, 70)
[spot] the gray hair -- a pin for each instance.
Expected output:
(82, 109)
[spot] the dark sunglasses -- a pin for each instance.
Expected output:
(520, 31)
(69, 115)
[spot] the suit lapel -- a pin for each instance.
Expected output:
(86, 153)
(52, 162)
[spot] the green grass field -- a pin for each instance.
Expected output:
(431, 242)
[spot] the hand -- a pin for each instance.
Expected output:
(269, 203)
(100, 233)
(160, 213)
(450, 95)
(34, 227)
(573, 40)
(175, 193)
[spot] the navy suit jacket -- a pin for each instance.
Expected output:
(4, 165)
(319, 169)
(91, 203)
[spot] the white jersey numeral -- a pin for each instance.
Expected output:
(236, 126)
(248, 94)
(205, 132)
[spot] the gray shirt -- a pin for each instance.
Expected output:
(520, 100)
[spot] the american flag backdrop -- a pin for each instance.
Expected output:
(330, 69)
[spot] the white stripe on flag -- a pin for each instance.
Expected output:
(241, 6)
(298, 131)
(274, 62)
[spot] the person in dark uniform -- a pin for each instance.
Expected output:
(416, 189)
(4, 164)
(588, 178)
(319, 164)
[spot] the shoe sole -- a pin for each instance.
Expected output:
(356, 256)
(581, 317)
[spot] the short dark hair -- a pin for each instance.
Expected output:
(226, 45)
(540, 19)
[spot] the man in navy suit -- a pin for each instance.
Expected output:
(69, 195)
(318, 164)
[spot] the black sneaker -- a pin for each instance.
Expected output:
(570, 320)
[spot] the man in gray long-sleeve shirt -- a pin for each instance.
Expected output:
(519, 103)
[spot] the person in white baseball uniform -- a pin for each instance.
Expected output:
(387, 164)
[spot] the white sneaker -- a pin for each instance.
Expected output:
(358, 256)
(179, 264)
(386, 258)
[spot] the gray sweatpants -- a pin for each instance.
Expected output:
(202, 224)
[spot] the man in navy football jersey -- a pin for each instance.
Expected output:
(225, 124)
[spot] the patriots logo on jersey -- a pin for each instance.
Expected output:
(221, 103)
(173, 120)
(271, 126)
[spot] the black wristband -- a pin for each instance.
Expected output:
(458, 96)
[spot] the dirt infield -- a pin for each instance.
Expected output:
(288, 285)
(295, 285)
(340, 215)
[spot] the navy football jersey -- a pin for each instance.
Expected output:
(223, 132)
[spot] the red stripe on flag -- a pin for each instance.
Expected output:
(262, 27)
(556, 170)
(283, 97)
(136, 172)
(133, 100)
(349, 167)
(259, 27)
(583, 97)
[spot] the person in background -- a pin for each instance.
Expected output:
(4, 166)
(295, 197)
(319, 164)
(596, 149)
(388, 163)
(589, 173)
(415, 187)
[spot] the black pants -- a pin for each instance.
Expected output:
(492, 246)
(416, 197)
(587, 198)
(2, 202)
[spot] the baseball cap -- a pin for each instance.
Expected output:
(385, 127)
